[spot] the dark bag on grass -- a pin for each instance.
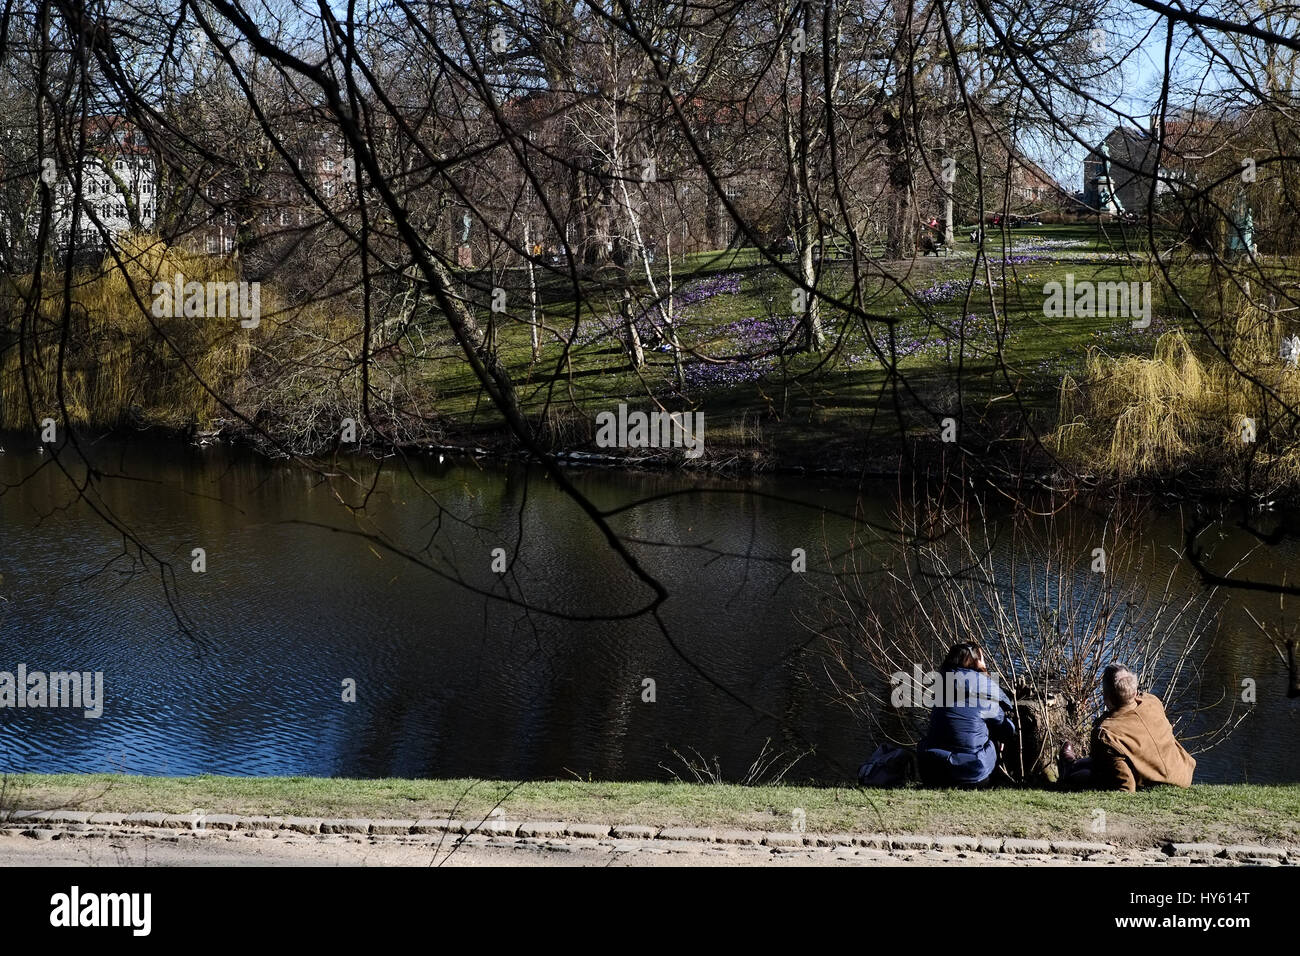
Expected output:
(889, 767)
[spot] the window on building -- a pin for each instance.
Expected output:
(211, 245)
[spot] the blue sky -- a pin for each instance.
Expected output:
(1135, 90)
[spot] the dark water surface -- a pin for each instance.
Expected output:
(297, 599)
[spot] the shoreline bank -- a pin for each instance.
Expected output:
(731, 465)
(1219, 814)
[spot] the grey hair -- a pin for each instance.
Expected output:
(1119, 684)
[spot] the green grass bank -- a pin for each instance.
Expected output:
(1206, 813)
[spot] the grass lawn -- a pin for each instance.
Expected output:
(908, 343)
(730, 306)
(1212, 813)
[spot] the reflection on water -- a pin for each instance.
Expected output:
(299, 598)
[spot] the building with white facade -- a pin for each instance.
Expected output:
(117, 184)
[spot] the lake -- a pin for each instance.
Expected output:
(245, 667)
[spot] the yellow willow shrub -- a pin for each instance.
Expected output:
(120, 362)
(1130, 416)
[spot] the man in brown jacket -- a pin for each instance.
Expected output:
(1132, 743)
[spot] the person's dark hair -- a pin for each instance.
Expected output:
(967, 654)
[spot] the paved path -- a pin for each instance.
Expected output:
(161, 840)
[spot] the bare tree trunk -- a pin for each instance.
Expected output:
(483, 360)
(811, 319)
(670, 315)
(534, 333)
(902, 225)
(642, 251)
(901, 231)
(805, 231)
(635, 350)
(947, 195)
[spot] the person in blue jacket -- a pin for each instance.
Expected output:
(970, 724)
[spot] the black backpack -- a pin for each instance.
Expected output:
(889, 767)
